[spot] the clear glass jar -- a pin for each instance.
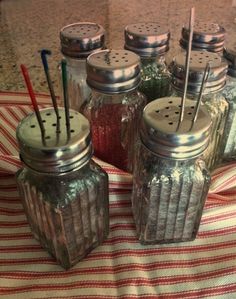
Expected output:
(114, 123)
(78, 89)
(229, 93)
(155, 78)
(64, 193)
(78, 41)
(212, 99)
(217, 107)
(151, 42)
(170, 181)
(115, 107)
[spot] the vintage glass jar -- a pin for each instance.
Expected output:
(115, 107)
(229, 93)
(213, 99)
(170, 182)
(78, 41)
(206, 37)
(151, 42)
(64, 193)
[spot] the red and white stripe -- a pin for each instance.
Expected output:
(120, 267)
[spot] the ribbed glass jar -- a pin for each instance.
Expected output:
(78, 89)
(217, 107)
(151, 42)
(170, 181)
(78, 41)
(212, 99)
(155, 78)
(115, 106)
(64, 193)
(229, 93)
(114, 122)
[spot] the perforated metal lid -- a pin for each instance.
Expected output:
(230, 54)
(215, 48)
(147, 39)
(113, 71)
(57, 152)
(198, 61)
(160, 132)
(206, 36)
(79, 40)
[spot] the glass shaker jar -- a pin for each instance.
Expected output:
(212, 99)
(170, 181)
(229, 93)
(151, 42)
(206, 37)
(115, 107)
(78, 41)
(64, 193)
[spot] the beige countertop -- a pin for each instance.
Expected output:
(29, 25)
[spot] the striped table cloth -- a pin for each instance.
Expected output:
(121, 267)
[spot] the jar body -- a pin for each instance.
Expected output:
(217, 107)
(229, 93)
(114, 121)
(78, 90)
(68, 214)
(155, 78)
(168, 197)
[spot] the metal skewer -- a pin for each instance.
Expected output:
(65, 94)
(187, 61)
(33, 98)
(44, 53)
(204, 80)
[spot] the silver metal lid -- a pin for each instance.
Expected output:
(57, 153)
(206, 36)
(113, 71)
(147, 39)
(160, 132)
(79, 40)
(216, 48)
(198, 61)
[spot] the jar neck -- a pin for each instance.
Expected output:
(231, 78)
(75, 62)
(72, 173)
(170, 161)
(194, 97)
(159, 60)
(114, 98)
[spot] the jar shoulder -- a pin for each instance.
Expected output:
(98, 100)
(64, 188)
(151, 168)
